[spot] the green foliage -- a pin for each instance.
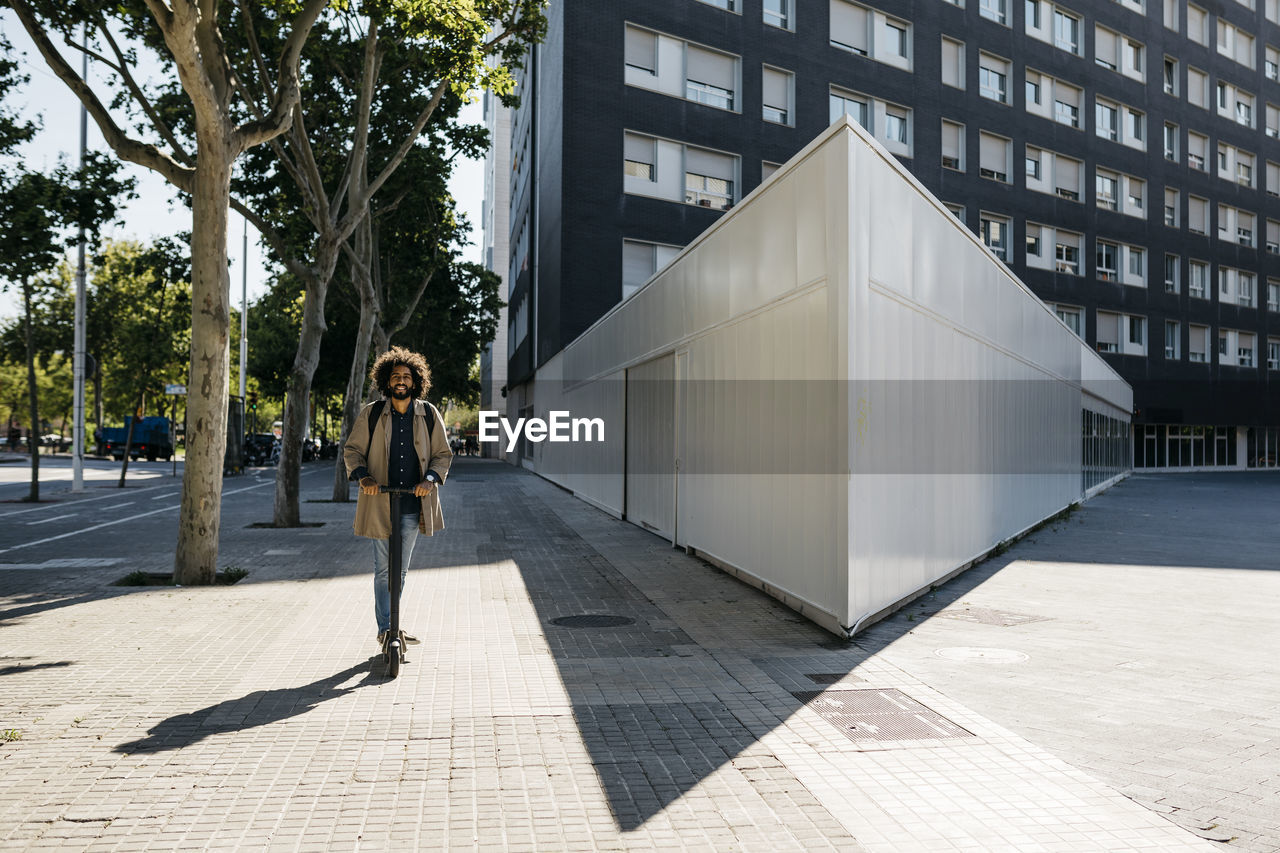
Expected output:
(13, 129)
(10, 735)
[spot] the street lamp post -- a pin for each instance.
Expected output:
(77, 432)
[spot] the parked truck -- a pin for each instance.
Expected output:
(152, 438)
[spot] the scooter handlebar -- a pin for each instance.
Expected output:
(395, 490)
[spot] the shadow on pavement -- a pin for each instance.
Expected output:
(258, 708)
(13, 669)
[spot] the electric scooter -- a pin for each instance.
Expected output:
(393, 641)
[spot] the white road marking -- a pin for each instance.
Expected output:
(126, 503)
(61, 504)
(47, 520)
(140, 515)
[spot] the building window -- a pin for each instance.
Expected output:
(1108, 120)
(1170, 142)
(1033, 163)
(640, 260)
(994, 10)
(952, 145)
(1106, 47)
(1197, 215)
(1273, 354)
(1171, 205)
(993, 156)
(1066, 177)
(1273, 237)
(1197, 150)
(993, 78)
(1170, 76)
(1273, 121)
(707, 191)
(896, 38)
(1107, 188)
(1106, 268)
(1198, 343)
(995, 234)
(1197, 88)
(896, 122)
(1197, 24)
(709, 77)
(854, 106)
(953, 62)
(1198, 280)
(957, 210)
(777, 86)
(1066, 255)
(1035, 242)
(1171, 19)
(638, 157)
(1271, 64)
(767, 169)
(1172, 279)
(777, 13)
(1032, 15)
(1273, 295)
(1066, 31)
(1066, 104)
(1172, 333)
(1070, 316)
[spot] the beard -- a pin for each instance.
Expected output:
(401, 393)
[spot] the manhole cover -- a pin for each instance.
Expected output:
(592, 620)
(984, 655)
(880, 715)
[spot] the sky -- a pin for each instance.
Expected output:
(157, 212)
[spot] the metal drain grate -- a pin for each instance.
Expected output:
(989, 616)
(593, 620)
(880, 715)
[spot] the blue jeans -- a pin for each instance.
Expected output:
(381, 590)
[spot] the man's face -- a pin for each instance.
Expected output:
(401, 382)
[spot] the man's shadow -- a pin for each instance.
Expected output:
(259, 708)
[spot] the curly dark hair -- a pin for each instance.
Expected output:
(380, 375)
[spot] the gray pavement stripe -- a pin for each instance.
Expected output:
(133, 517)
(61, 504)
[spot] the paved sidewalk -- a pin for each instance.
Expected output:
(256, 716)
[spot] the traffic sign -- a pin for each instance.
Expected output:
(178, 390)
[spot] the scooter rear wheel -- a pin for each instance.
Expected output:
(393, 660)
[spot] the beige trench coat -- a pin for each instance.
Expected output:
(373, 512)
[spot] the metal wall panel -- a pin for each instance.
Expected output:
(868, 399)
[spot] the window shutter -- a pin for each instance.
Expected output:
(712, 164)
(638, 148)
(952, 65)
(1067, 172)
(951, 139)
(776, 88)
(642, 48)
(991, 153)
(714, 69)
(1105, 46)
(1108, 328)
(849, 25)
(637, 262)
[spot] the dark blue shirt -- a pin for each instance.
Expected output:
(403, 468)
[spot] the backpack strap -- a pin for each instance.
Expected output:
(375, 412)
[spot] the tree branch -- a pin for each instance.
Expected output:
(287, 92)
(274, 240)
(125, 147)
(180, 153)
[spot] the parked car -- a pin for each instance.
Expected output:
(60, 444)
(258, 447)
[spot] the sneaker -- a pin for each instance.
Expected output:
(382, 639)
(409, 639)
